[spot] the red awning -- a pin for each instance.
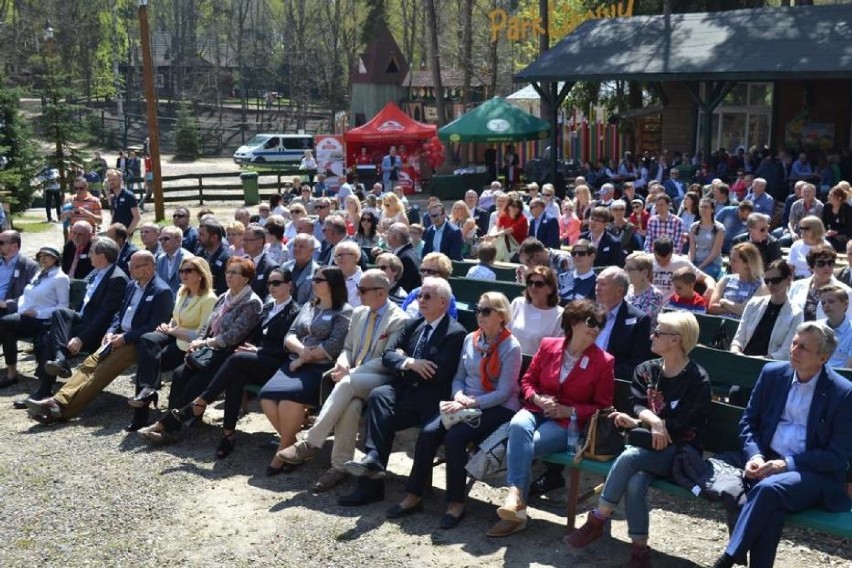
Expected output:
(390, 125)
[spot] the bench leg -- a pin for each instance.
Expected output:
(573, 494)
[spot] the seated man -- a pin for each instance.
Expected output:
(375, 324)
(149, 234)
(126, 249)
(171, 256)
(584, 278)
(424, 359)
(16, 271)
(75, 256)
(797, 442)
(148, 302)
(254, 240)
(74, 331)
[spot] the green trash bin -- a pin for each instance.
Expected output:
(252, 195)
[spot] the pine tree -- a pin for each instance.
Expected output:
(19, 152)
(187, 139)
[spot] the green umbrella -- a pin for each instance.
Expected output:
(495, 121)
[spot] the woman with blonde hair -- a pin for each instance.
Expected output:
(235, 231)
(393, 209)
(460, 217)
(745, 281)
(352, 214)
(569, 224)
(583, 205)
(813, 233)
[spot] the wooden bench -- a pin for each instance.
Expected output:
(504, 271)
(710, 325)
(724, 426)
(468, 290)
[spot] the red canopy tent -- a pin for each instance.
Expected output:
(390, 126)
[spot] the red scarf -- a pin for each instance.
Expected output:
(489, 365)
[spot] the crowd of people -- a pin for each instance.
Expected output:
(345, 307)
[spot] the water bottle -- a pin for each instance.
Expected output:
(573, 436)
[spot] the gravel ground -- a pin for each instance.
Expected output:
(84, 493)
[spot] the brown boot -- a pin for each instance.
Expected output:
(588, 533)
(640, 556)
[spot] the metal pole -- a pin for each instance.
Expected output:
(151, 106)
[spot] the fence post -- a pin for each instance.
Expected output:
(200, 191)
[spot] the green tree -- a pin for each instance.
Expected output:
(18, 148)
(187, 139)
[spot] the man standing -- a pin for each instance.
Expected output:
(797, 441)
(122, 202)
(302, 267)
(607, 246)
(757, 233)
(126, 249)
(542, 226)
(171, 257)
(399, 240)
(84, 205)
(180, 219)
(762, 201)
(148, 302)
(376, 324)
(424, 359)
(16, 271)
(75, 256)
(253, 241)
(391, 166)
(664, 224)
(442, 236)
(211, 249)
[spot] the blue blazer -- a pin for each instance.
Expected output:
(173, 280)
(546, 230)
(828, 445)
(609, 249)
(155, 308)
(451, 241)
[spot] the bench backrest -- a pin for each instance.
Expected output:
(468, 290)
(504, 271)
(77, 294)
(726, 368)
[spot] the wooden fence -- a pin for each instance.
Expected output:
(222, 186)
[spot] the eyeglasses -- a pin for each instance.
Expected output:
(580, 253)
(276, 283)
(593, 323)
(384, 267)
(178, 216)
(428, 272)
(342, 254)
(186, 270)
(2, 243)
(234, 272)
(536, 283)
(79, 187)
(658, 333)
(484, 312)
(320, 206)
(823, 263)
(363, 289)
(422, 296)
(164, 239)
(318, 279)
(776, 280)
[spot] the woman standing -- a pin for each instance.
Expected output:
(813, 234)
(254, 362)
(314, 342)
(232, 320)
(705, 240)
(48, 290)
(658, 427)
(837, 218)
(487, 379)
(537, 313)
(165, 348)
(642, 294)
(570, 376)
(736, 289)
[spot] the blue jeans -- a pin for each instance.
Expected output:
(630, 476)
(531, 436)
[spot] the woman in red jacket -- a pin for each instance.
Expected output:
(512, 229)
(567, 375)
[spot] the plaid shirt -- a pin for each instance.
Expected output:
(672, 227)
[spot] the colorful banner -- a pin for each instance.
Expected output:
(328, 150)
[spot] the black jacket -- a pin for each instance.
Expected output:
(84, 263)
(102, 307)
(269, 336)
(410, 278)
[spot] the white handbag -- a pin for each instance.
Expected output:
(450, 419)
(490, 457)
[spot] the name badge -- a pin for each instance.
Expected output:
(121, 200)
(674, 404)
(606, 249)
(265, 330)
(260, 276)
(17, 273)
(327, 317)
(149, 298)
(82, 256)
(584, 362)
(218, 263)
(630, 321)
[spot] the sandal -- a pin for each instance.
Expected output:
(187, 413)
(226, 445)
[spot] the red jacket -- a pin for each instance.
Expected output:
(589, 386)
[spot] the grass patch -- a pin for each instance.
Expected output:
(28, 226)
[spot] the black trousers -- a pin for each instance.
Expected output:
(156, 352)
(187, 385)
(239, 370)
(54, 196)
(14, 326)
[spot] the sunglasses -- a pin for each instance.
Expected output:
(320, 206)
(580, 253)
(536, 283)
(2, 243)
(164, 239)
(428, 271)
(186, 270)
(823, 263)
(384, 267)
(803, 229)
(318, 279)
(593, 323)
(422, 296)
(484, 312)
(276, 283)
(776, 280)
(363, 289)
(178, 216)
(658, 333)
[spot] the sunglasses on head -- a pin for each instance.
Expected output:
(536, 283)
(775, 280)
(580, 253)
(822, 262)
(484, 312)
(594, 323)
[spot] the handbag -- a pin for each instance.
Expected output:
(603, 442)
(641, 438)
(205, 358)
(450, 419)
(490, 457)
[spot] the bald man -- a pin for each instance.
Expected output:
(75, 256)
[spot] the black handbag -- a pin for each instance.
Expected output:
(205, 358)
(603, 441)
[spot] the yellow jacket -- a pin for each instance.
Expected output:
(192, 313)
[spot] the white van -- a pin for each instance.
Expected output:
(274, 149)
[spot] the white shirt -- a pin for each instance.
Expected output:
(792, 430)
(51, 292)
(352, 287)
(530, 325)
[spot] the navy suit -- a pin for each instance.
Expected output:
(25, 270)
(630, 340)
(154, 308)
(546, 230)
(609, 249)
(124, 255)
(482, 217)
(675, 190)
(819, 475)
(84, 262)
(451, 241)
(410, 278)
(190, 239)
(218, 261)
(262, 270)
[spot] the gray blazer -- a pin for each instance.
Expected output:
(237, 325)
(173, 279)
(302, 291)
(25, 271)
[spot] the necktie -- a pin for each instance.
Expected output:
(368, 339)
(421, 343)
(533, 228)
(41, 276)
(73, 268)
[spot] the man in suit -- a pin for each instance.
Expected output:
(171, 257)
(303, 267)
(542, 226)
(399, 240)
(480, 215)
(16, 271)
(126, 249)
(675, 188)
(376, 323)
(442, 236)
(180, 219)
(797, 439)
(757, 233)
(253, 241)
(149, 234)
(75, 256)
(334, 232)
(608, 247)
(423, 359)
(148, 302)
(212, 249)
(72, 332)
(391, 166)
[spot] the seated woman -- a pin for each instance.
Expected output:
(537, 313)
(314, 342)
(391, 265)
(255, 361)
(367, 233)
(642, 294)
(347, 254)
(566, 376)
(804, 294)
(232, 320)
(48, 290)
(433, 264)
(486, 378)
(663, 428)
(769, 322)
(837, 218)
(165, 348)
(235, 231)
(737, 288)
(813, 234)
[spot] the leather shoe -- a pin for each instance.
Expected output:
(548, 481)
(20, 404)
(369, 467)
(505, 528)
(363, 495)
(58, 368)
(398, 511)
(449, 521)
(7, 382)
(329, 480)
(144, 399)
